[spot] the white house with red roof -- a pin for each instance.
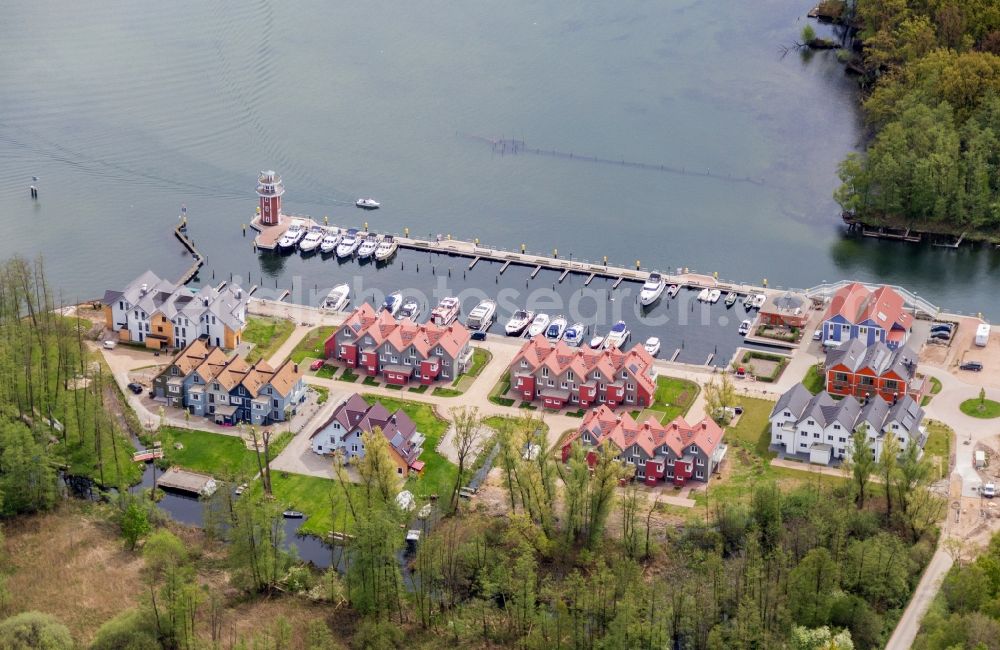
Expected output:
(559, 375)
(676, 452)
(857, 312)
(400, 351)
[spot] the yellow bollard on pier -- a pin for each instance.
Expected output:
(605, 260)
(522, 249)
(765, 283)
(326, 221)
(477, 241)
(406, 232)
(366, 226)
(637, 265)
(555, 253)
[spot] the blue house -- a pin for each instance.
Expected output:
(857, 312)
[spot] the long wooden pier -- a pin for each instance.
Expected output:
(199, 259)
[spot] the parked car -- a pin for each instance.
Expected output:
(944, 336)
(110, 345)
(990, 490)
(479, 335)
(316, 365)
(974, 366)
(942, 327)
(818, 334)
(135, 388)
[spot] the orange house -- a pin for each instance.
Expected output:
(860, 371)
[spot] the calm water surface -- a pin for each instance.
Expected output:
(126, 110)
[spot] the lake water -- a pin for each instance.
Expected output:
(126, 110)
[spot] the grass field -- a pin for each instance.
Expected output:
(321, 499)
(937, 451)
(266, 335)
(673, 397)
(312, 345)
(814, 381)
(222, 456)
(439, 473)
(985, 409)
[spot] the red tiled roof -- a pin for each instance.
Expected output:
(383, 328)
(856, 304)
(623, 431)
(559, 357)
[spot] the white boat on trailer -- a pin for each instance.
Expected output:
(386, 248)
(338, 297)
(348, 244)
(574, 334)
(538, 324)
(519, 320)
(482, 315)
(617, 336)
(330, 242)
(652, 289)
(368, 246)
(446, 311)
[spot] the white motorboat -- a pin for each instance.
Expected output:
(338, 297)
(518, 321)
(538, 325)
(714, 295)
(731, 298)
(446, 311)
(348, 244)
(574, 334)
(312, 240)
(386, 248)
(759, 300)
(481, 316)
(617, 336)
(556, 328)
(653, 289)
(703, 295)
(368, 246)
(597, 341)
(368, 203)
(393, 302)
(652, 346)
(672, 290)
(292, 236)
(748, 301)
(410, 309)
(745, 327)
(330, 242)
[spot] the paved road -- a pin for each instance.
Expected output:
(909, 623)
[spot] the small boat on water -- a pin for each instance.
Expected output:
(446, 311)
(652, 346)
(597, 341)
(292, 236)
(368, 246)
(748, 301)
(714, 295)
(348, 244)
(538, 325)
(731, 298)
(410, 309)
(745, 327)
(617, 336)
(312, 240)
(759, 300)
(556, 328)
(292, 514)
(574, 334)
(653, 289)
(481, 316)
(330, 242)
(368, 203)
(386, 248)
(518, 321)
(338, 297)
(672, 290)
(703, 295)
(393, 302)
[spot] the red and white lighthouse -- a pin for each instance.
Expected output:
(269, 189)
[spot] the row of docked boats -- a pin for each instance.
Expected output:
(528, 323)
(750, 301)
(345, 243)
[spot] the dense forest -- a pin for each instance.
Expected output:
(933, 71)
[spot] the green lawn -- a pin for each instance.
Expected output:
(439, 472)
(312, 345)
(224, 457)
(441, 391)
(937, 451)
(480, 358)
(326, 372)
(266, 335)
(320, 498)
(935, 385)
(814, 381)
(500, 390)
(985, 409)
(673, 397)
(322, 392)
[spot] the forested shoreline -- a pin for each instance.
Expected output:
(933, 111)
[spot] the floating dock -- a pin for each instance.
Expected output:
(199, 259)
(182, 480)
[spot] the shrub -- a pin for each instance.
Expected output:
(34, 631)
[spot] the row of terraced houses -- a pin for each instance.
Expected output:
(207, 382)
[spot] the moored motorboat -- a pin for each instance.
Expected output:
(386, 248)
(518, 321)
(714, 295)
(556, 328)
(747, 301)
(745, 327)
(574, 334)
(481, 316)
(446, 311)
(312, 240)
(330, 242)
(292, 236)
(759, 300)
(672, 290)
(368, 203)
(368, 246)
(597, 341)
(617, 336)
(338, 297)
(410, 309)
(393, 302)
(538, 324)
(652, 346)
(652, 289)
(293, 514)
(348, 244)
(703, 295)
(731, 298)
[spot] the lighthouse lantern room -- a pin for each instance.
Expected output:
(269, 189)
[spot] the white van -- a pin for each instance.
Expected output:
(989, 490)
(110, 345)
(982, 335)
